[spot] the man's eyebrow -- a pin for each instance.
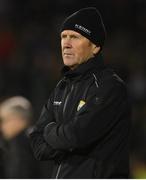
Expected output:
(63, 35)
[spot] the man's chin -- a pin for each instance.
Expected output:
(68, 63)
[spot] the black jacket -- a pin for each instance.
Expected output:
(84, 127)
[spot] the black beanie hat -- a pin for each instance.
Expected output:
(87, 22)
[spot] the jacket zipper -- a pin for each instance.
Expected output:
(59, 167)
(58, 171)
(65, 103)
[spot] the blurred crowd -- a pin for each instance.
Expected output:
(30, 64)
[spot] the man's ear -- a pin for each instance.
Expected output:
(96, 49)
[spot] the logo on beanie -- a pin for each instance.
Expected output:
(82, 29)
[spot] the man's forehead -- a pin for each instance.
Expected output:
(70, 32)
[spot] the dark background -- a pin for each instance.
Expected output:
(30, 58)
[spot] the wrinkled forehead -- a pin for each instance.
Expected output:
(70, 32)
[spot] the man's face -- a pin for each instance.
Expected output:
(76, 49)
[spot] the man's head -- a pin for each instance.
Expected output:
(82, 36)
(15, 116)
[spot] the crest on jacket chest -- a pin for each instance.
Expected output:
(81, 104)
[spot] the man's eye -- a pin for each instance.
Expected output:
(75, 37)
(62, 37)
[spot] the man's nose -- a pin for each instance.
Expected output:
(67, 43)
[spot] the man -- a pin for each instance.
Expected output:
(16, 117)
(84, 127)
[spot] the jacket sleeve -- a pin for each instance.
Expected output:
(41, 149)
(92, 122)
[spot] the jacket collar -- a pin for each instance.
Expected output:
(92, 65)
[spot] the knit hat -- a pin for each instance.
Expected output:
(87, 22)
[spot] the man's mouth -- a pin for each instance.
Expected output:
(68, 54)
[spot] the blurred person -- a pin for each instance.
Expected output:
(16, 117)
(85, 125)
